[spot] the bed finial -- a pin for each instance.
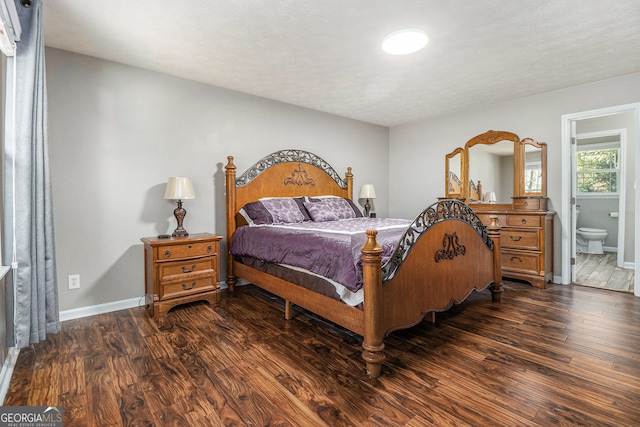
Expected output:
(230, 162)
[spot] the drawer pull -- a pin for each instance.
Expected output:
(516, 258)
(209, 248)
(524, 220)
(167, 253)
(184, 268)
(184, 286)
(512, 238)
(526, 203)
(189, 246)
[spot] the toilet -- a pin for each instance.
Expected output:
(590, 240)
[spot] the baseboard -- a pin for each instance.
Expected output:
(7, 372)
(92, 310)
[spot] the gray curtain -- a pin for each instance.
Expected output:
(28, 221)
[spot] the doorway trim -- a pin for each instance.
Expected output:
(568, 210)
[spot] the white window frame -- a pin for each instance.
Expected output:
(601, 146)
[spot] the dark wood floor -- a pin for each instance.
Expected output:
(567, 355)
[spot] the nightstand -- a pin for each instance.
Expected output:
(179, 270)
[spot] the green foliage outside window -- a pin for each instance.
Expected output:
(598, 170)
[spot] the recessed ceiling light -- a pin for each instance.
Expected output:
(403, 42)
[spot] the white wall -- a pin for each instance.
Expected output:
(417, 150)
(117, 132)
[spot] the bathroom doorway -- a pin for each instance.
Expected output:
(599, 197)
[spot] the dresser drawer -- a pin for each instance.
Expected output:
(486, 219)
(520, 238)
(187, 250)
(520, 261)
(523, 220)
(190, 285)
(528, 204)
(168, 271)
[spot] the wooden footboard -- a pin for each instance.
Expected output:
(444, 255)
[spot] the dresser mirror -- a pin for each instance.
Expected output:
(491, 172)
(495, 167)
(534, 179)
(491, 167)
(453, 168)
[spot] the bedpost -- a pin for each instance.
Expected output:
(230, 171)
(373, 344)
(494, 233)
(349, 179)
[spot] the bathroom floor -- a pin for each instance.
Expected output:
(600, 271)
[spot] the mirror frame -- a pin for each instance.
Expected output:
(492, 137)
(521, 167)
(449, 192)
(489, 138)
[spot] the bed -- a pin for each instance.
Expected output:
(439, 259)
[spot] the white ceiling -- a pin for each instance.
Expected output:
(326, 54)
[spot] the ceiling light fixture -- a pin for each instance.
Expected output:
(403, 42)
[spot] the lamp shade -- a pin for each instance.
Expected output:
(367, 191)
(179, 188)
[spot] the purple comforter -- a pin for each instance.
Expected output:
(331, 249)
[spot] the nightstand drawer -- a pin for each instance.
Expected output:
(190, 285)
(521, 262)
(187, 250)
(520, 238)
(523, 220)
(197, 266)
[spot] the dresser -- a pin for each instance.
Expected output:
(526, 238)
(179, 270)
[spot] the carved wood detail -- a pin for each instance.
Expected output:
(451, 248)
(299, 177)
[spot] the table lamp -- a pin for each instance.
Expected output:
(367, 192)
(179, 188)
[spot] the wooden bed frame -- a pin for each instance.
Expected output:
(444, 256)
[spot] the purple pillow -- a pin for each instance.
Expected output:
(354, 207)
(256, 214)
(275, 210)
(330, 209)
(300, 202)
(284, 210)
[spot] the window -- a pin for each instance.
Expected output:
(598, 169)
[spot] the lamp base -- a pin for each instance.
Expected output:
(179, 213)
(179, 232)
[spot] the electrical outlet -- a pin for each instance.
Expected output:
(74, 281)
